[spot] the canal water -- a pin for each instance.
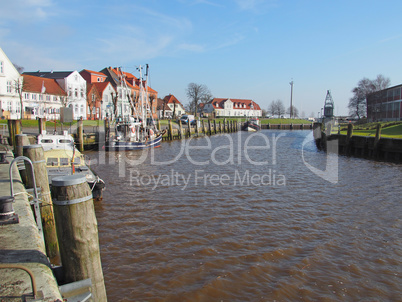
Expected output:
(249, 217)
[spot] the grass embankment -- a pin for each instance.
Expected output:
(389, 129)
(264, 121)
(34, 123)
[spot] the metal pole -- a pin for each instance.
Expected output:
(291, 99)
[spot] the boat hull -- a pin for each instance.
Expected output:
(250, 127)
(127, 145)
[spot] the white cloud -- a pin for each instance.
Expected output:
(26, 10)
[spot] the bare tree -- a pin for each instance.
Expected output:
(358, 102)
(174, 109)
(18, 85)
(196, 93)
(295, 111)
(276, 107)
(280, 108)
(19, 68)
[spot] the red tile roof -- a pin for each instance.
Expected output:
(171, 99)
(100, 86)
(35, 84)
(239, 102)
(94, 72)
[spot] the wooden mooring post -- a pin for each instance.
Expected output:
(35, 154)
(21, 140)
(41, 124)
(377, 141)
(348, 147)
(14, 128)
(196, 128)
(170, 131)
(77, 231)
(180, 130)
(189, 128)
(203, 127)
(215, 126)
(80, 135)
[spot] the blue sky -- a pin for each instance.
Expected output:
(239, 49)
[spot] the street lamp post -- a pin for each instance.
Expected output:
(291, 99)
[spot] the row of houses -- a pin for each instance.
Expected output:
(95, 95)
(90, 94)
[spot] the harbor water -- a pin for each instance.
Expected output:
(249, 217)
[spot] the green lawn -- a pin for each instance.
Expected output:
(34, 123)
(264, 121)
(388, 130)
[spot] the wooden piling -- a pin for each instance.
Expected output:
(189, 128)
(36, 155)
(180, 130)
(80, 135)
(14, 128)
(170, 131)
(21, 140)
(215, 126)
(203, 127)
(41, 124)
(376, 141)
(209, 127)
(220, 127)
(77, 231)
(107, 130)
(349, 135)
(196, 128)
(159, 125)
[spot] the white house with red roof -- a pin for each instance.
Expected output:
(42, 98)
(232, 107)
(10, 80)
(107, 93)
(74, 85)
(172, 106)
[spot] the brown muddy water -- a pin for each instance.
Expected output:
(249, 217)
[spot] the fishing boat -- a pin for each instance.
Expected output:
(139, 130)
(252, 123)
(62, 158)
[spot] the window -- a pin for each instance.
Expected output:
(1, 67)
(33, 96)
(26, 96)
(82, 92)
(82, 110)
(9, 88)
(41, 97)
(54, 98)
(76, 92)
(99, 79)
(64, 161)
(48, 98)
(52, 161)
(76, 109)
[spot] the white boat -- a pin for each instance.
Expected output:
(253, 123)
(138, 131)
(62, 158)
